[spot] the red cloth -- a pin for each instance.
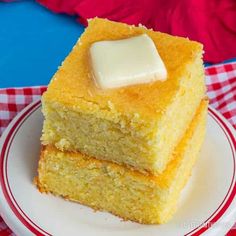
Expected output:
(212, 23)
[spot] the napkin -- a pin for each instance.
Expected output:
(212, 23)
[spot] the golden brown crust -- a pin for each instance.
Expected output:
(72, 84)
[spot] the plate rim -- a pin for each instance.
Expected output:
(21, 117)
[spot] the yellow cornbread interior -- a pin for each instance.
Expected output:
(114, 188)
(137, 125)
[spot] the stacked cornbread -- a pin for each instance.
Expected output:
(127, 150)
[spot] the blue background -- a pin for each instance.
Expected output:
(33, 43)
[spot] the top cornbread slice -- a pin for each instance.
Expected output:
(138, 125)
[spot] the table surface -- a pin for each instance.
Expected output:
(33, 43)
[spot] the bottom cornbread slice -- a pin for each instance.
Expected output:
(117, 189)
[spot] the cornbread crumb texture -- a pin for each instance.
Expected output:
(138, 125)
(114, 188)
(144, 149)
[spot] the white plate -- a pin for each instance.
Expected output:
(207, 204)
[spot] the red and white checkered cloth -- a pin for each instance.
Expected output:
(220, 81)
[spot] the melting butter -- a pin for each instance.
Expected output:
(126, 62)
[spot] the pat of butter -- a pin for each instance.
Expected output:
(126, 62)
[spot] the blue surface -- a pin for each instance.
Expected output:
(33, 43)
(230, 60)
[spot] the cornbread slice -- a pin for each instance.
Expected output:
(138, 125)
(117, 189)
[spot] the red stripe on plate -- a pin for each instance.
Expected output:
(25, 220)
(222, 208)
